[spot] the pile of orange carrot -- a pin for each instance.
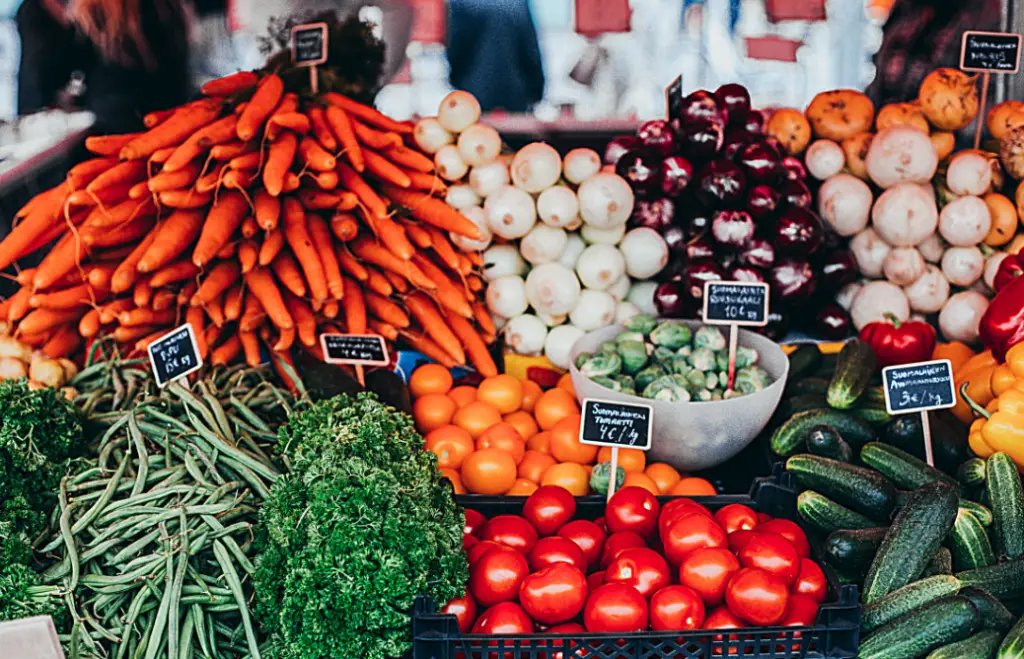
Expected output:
(273, 219)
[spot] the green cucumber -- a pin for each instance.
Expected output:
(900, 467)
(993, 614)
(941, 562)
(983, 514)
(800, 403)
(826, 515)
(928, 628)
(804, 360)
(971, 473)
(1012, 646)
(1007, 500)
(863, 490)
(791, 435)
(801, 386)
(828, 443)
(969, 543)
(853, 548)
(872, 414)
(854, 368)
(1002, 580)
(982, 645)
(904, 600)
(915, 534)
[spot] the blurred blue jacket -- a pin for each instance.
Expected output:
(494, 54)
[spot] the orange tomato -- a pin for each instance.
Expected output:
(489, 471)
(565, 382)
(462, 396)
(565, 442)
(476, 417)
(630, 459)
(429, 379)
(453, 477)
(524, 423)
(664, 475)
(432, 411)
(569, 475)
(553, 406)
(504, 437)
(503, 391)
(540, 442)
(693, 486)
(640, 479)
(522, 488)
(451, 444)
(534, 464)
(531, 392)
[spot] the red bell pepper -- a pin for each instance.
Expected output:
(1002, 326)
(1010, 268)
(899, 343)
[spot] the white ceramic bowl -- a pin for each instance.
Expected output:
(696, 435)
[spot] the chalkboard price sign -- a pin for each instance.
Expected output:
(990, 52)
(735, 303)
(674, 97)
(919, 387)
(175, 354)
(309, 44)
(616, 424)
(368, 349)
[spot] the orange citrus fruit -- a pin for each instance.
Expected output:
(453, 477)
(522, 488)
(693, 487)
(641, 479)
(553, 406)
(432, 411)
(524, 423)
(663, 474)
(451, 444)
(630, 459)
(534, 464)
(476, 417)
(504, 437)
(540, 442)
(531, 392)
(569, 475)
(430, 379)
(489, 471)
(503, 391)
(462, 395)
(565, 442)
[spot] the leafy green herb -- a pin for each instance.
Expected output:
(22, 595)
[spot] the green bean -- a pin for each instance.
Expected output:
(102, 502)
(251, 417)
(65, 532)
(165, 603)
(185, 641)
(224, 558)
(201, 633)
(75, 648)
(230, 544)
(134, 547)
(147, 639)
(220, 419)
(140, 448)
(179, 579)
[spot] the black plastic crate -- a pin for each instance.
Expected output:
(835, 635)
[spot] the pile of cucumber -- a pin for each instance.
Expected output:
(937, 551)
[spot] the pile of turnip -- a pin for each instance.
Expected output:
(558, 259)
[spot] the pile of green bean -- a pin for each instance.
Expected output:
(151, 540)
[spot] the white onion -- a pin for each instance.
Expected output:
(543, 244)
(552, 288)
(876, 299)
(461, 197)
(503, 260)
(488, 179)
(506, 296)
(580, 164)
(606, 200)
(574, 247)
(552, 321)
(479, 145)
(600, 266)
(824, 159)
(963, 265)
(594, 236)
(559, 343)
(593, 310)
(624, 311)
(960, 318)
(478, 217)
(929, 292)
(558, 206)
(932, 248)
(844, 202)
(646, 252)
(641, 294)
(430, 135)
(965, 221)
(511, 212)
(620, 287)
(869, 251)
(901, 154)
(575, 224)
(458, 111)
(905, 214)
(449, 164)
(536, 167)
(903, 265)
(526, 334)
(969, 173)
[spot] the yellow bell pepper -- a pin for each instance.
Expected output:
(1015, 359)
(1003, 378)
(1001, 426)
(1011, 402)
(976, 440)
(979, 389)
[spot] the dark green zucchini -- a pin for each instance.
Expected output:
(1002, 580)
(826, 516)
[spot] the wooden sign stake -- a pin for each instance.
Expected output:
(314, 80)
(926, 430)
(979, 125)
(615, 473)
(360, 375)
(733, 340)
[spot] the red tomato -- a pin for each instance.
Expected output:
(464, 610)
(595, 579)
(801, 612)
(677, 508)
(811, 581)
(474, 520)
(790, 531)
(721, 618)
(707, 571)
(633, 509)
(736, 517)
(615, 607)
(739, 539)
(588, 536)
(554, 549)
(478, 549)
(601, 523)
(641, 568)
(554, 594)
(550, 507)
(510, 530)
(468, 541)
(496, 576)
(772, 553)
(676, 607)
(691, 532)
(757, 596)
(504, 618)
(763, 517)
(567, 628)
(617, 543)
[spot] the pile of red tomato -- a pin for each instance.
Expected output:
(643, 566)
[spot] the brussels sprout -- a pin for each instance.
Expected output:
(629, 336)
(601, 474)
(671, 334)
(685, 351)
(607, 383)
(642, 323)
(679, 364)
(647, 376)
(703, 395)
(751, 380)
(744, 357)
(709, 337)
(634, 356)
(625, 381)
(662, 354)
(581, 358)
(711, 379)
(666, 388)
(722, 360)
(601, 363)
(694, 381)
(608, 346)
(723, 377)
(702, 359)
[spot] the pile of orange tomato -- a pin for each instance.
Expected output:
(508, 437)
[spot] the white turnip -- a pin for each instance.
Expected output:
(559, 342)
(574, 247)
(901, 154)
(536, 167)
(552, 288)
(558, 206)
(646, 252)
(965, 222)
(961, 316)
(929, 292)
(903, 266)
(479, 145)
(876, 299)
(506, 296)
(430, 135)
(969, 173)
(606, 200)
(612, 236)
(932, 248)
(905, 215)
(511, 212)
(458, 111)
(488, 179)
(580, 164)
(501, 261)
(600, 266)
(824, 159)
(593, 310)
(461, 197)
(869, 250)
(620, 287)
(543, 244)
(449, 163)
(478, 217)
(963, 265)
(526, 334)
(844, 202)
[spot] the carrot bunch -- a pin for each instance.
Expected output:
(271, 220)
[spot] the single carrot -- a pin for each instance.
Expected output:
(305, 323)
(42, 320)
(129, 173)
(119, 235)
(386, 330)
(249, 227)
(400, 283)
(427, 346)
(371, 252)
(252, 316)
(266, 210)
(175, 180)
(221, 131)
(449, 294)
(163, 300)
(386, 310)
(188, 289)
(174, 272)
(315, 156)
(327, 180)
(111, 310)
(291, 182)
(156, 117)
(387, 172)
(23, 236)
(279, 158)
(185, 199)
(139, 191)
(226, 352)
(142, 345)
(316, 200)
(223, 276)
(350, 265)
(109, 196)
(320, 234)
(250, 347)
(62, 259)
(137, 317)
(375, 139)
(474, 283)
(272, 243)
(248, 253)
(378, 283)
(433, 324)
(355, 307)
(344, 227)
(224, 217)
(285, 339)
(108, 145)
(418, 235)
(246, 161)
(444, 248)
(262, 104)
(288, 273)
(230, 84)
(196, 317)
(24, 277)
(100, 217)
(349, 200)
(84, 172)
(69, 298)
(142, 293)
(35, 341)
(215, 310)
(227, 251)
(261, 284)
(237, 179)
(296, 122)
(173, 130)
(330, 309)
(341, 126)
(18, 304)
(89, 325)
(410, 159)
(232, 149)
(366, 113)
(465, 266)
(234, 299)
(160, 156)
(296, 233)
(212, 334)
(172, 237)
(289, 103)
(431, 183)
(433, 211)
(321, 129)
(64, 342)
(475, 347)
(483, 318)
(355, 183)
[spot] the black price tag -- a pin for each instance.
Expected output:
(616, 424)
(735, 303)
(309, 44)
(988, 52)
(674, 98)
(174, 355)
(919, 387)
(368, 349)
